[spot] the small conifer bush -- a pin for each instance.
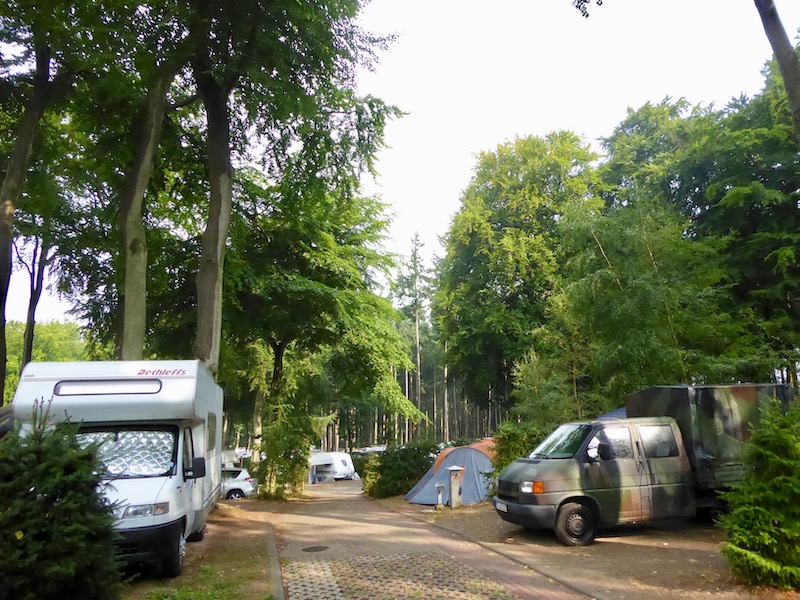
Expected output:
(56, 536)
(763, 525)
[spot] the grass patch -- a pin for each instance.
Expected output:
(229, 564)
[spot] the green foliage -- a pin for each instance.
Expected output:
(55, 528)
(54, 342)
(514, 440)
(763, 525)
(360, 463)
(396, 470)
(502, 256)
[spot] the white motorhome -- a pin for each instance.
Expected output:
(159, 424)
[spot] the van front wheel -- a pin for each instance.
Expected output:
(575, 525)
(173, 564)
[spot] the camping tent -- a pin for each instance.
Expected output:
(476, 459)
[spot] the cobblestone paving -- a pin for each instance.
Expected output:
(422, 575)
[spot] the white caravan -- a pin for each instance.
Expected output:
(160, 428)
(331, 465)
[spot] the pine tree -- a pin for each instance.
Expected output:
(56, 535)
(763, 525)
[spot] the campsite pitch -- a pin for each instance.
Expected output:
(673, 560)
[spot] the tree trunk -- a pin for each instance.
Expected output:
(212, 259)
(446, 423)
(134, 242)
(12, 184)
(39, 262)
(785, 54)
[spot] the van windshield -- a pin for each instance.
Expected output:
(133, 452)
(564, 442)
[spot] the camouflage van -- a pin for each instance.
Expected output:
(600, 473)
(677, 448)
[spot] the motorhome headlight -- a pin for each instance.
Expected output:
(146, 510)
(531, 487)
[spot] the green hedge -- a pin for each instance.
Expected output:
(396, 470)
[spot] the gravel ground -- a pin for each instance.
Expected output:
(670, 559)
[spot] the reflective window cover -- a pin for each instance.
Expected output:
(133, 452)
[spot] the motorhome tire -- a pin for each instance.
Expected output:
(197, 536)
(235, 495)
(173, 564)
(576, 525)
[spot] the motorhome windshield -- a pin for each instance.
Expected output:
(564, 442)
(133, 452)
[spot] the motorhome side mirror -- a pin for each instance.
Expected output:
(604, 450)
(198, 468)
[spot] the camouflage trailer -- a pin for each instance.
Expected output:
(681, 445)
(715, 422)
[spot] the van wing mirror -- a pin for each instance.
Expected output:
(604, 451)
(198, 468)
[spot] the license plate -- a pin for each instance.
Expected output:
(501, 507)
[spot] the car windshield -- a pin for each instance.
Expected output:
(133, 452)
(564, 442)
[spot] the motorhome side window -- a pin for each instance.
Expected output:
(107, 387)
(188, 450)
(619, 438)
(211, 431)
(659, 441)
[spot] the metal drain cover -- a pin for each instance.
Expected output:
(315, 548)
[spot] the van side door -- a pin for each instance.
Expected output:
(615, 483)
(669, 477)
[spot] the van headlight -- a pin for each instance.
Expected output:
(531, 487)
(146, 510)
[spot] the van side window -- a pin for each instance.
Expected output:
(619, 438)
(188, 450)
(659, 441)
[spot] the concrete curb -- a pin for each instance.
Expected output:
(273, 558)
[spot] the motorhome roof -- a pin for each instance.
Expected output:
(117, 391)
(110, 369)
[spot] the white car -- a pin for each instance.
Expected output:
(237, 484)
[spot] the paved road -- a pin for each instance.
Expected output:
(338, 544)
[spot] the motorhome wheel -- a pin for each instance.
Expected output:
(173, 564)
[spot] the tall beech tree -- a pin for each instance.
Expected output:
(733, 174)
(502, 255)
(281, 58)
(37, 45)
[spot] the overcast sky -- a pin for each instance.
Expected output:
(474, 74)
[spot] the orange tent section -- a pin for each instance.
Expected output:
(485, 445)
